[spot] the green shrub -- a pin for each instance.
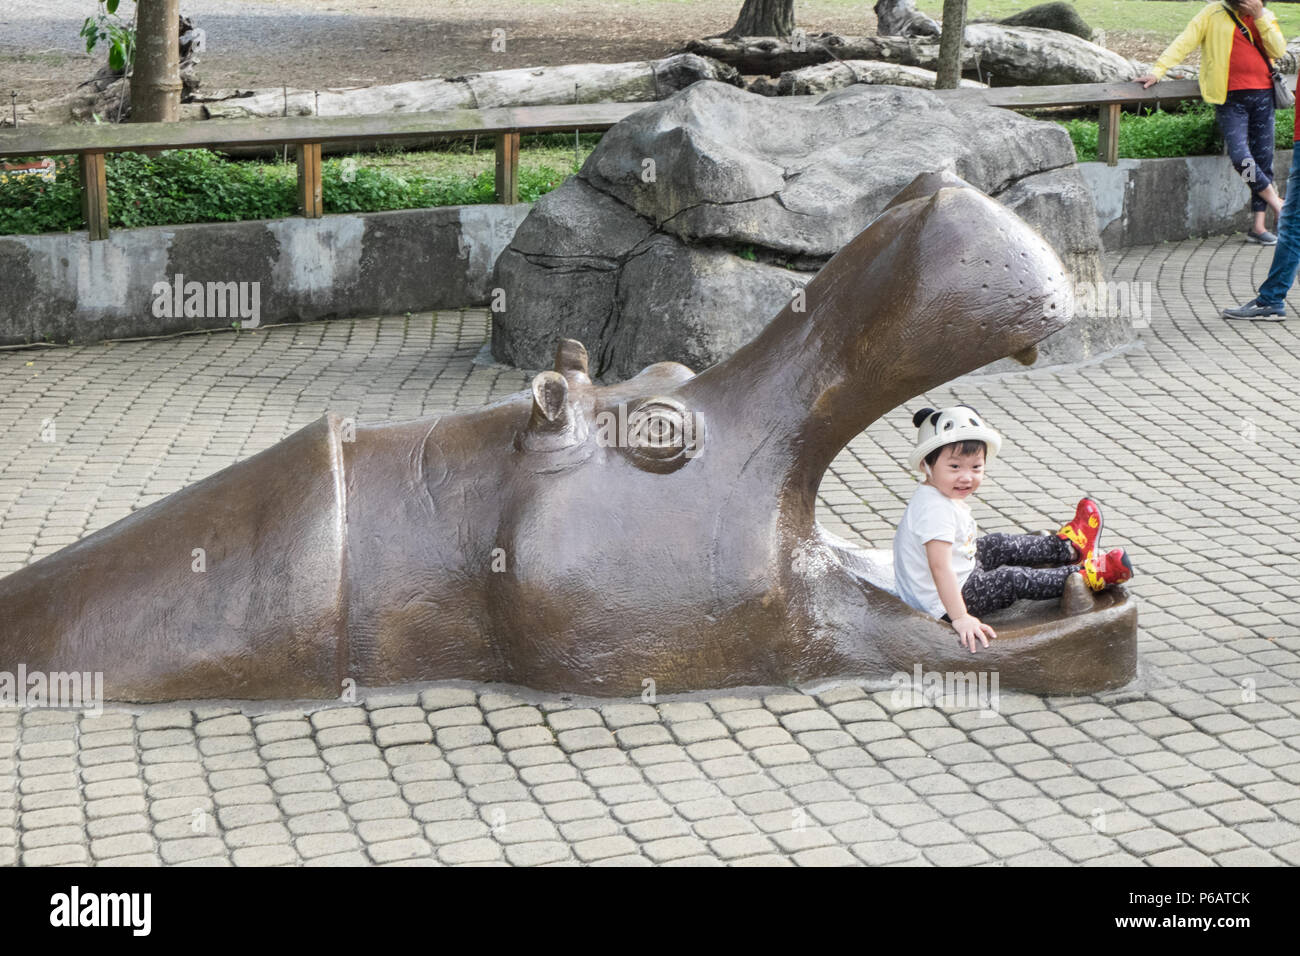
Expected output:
(185, 186)
(1160, 133)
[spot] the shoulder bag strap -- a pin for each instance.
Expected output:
(1249, 39)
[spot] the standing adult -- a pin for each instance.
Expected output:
(1270, 303)
(1238, 40)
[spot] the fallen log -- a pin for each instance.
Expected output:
(824, 77)
(635, 82)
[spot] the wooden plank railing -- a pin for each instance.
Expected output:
(91, 143)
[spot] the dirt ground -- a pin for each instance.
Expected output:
(318, 44)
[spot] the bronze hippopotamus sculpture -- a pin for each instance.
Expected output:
(587, 538)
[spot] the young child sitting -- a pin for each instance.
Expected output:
(942, 568)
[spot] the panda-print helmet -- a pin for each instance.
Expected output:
(958, 423)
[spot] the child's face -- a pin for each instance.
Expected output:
(957, 476)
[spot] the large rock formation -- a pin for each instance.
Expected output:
(698, 218)
(900, 18)
(1051, 16)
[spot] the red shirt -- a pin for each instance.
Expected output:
(1246, 67)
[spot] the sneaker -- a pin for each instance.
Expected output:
(1102, 570)
(1264, 238)
(1254, 309)
(1084, 531)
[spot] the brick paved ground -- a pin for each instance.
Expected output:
(1189, 439)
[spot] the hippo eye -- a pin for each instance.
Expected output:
(975, 422)
(947, 425)
(662, 434)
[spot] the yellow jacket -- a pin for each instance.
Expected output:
(1212, 30)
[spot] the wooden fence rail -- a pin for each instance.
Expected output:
(91, 143)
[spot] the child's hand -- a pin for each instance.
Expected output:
(969, 628)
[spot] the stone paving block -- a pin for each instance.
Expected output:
(1182, 856)
(884, 852)
(532, 756)
(247, 815)
(440, 832)
(474, 755)
(513, 717)
(406, 754)
(115, 826)
(443, 698)
(672, 771)
(748, 719)
(322, 844)
(262, 834)
(193, 848)
(780, 704)
(618, 716)
(288, 750)
(682, 791)
(1008, 843)
(559, 773)
(264, 856)
(54, 855)
(394, 735)
(538, 853)
(523, 737)
(452, 738)
(229, 725)
(584, 738)
(276, 731)
(351, 753)
(478, 774)
(163, 719)
(574, 719)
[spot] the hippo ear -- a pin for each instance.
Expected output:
(555, 423)
(550, 396)
(920, 416)
(571, 359)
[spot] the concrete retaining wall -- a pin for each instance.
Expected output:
(61, 286)
(1141, 201)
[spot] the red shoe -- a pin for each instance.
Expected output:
(1085, 530)
(1102, 570)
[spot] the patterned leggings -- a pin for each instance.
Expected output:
(999, 580)
(1246, 121)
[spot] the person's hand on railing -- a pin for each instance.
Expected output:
(1148, 78)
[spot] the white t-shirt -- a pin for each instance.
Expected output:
(931, 516)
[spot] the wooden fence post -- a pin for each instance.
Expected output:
(507, 168)
(94, 194)
(309, 184)
(1108, 134)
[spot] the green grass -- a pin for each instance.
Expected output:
(1162, 134)
(1163, 17)
(185, 186)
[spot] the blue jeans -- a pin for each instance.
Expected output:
(1246, 120)
(1286, 255)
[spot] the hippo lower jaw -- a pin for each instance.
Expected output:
(1082, 644)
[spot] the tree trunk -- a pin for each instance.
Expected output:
(764, 18)
(156, 80)
(948, 74)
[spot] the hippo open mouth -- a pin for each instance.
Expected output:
(581, 537)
